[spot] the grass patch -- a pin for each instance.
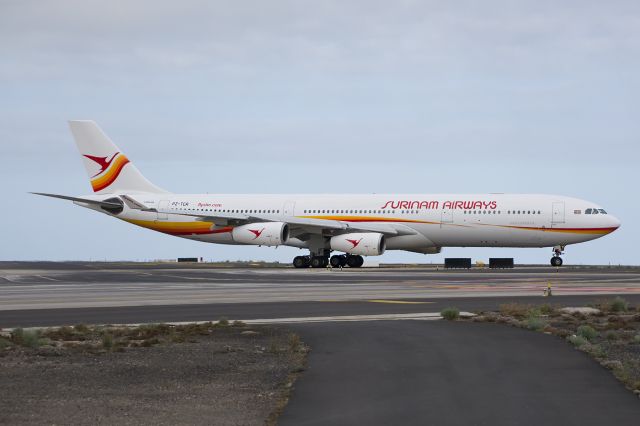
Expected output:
(577, 341)
(223, 322)
(61, 333)
(587, 332)
(273, 347)
(619, 305)
(597, 351)
(516, 310)
(4, 343)
(546, 309)
(27, 338)
(81, 328)
(450, 313)
(294, 342)
(107, 341)
(536, 324)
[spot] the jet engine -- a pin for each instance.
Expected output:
(364, 244)
(261, 234)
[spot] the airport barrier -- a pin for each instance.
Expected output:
(188, 259)
(501, 262)
(457, 263)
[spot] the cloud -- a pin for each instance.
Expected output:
(357, 36)
(285, 96)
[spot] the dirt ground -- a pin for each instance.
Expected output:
(215, 376)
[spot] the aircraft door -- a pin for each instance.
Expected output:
(447, 217)
(288, 208)
(163, 205)
(557, 213)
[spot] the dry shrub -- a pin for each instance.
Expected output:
(517, 310)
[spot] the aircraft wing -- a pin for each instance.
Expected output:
(300, 225)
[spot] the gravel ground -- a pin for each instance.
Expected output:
(224, 378)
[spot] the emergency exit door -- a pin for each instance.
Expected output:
(557, 213)
(163, 206)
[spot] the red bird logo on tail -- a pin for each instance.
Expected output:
(102, 162)
(354, 242)
(256, 232)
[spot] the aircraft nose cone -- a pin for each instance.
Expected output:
(614, 222)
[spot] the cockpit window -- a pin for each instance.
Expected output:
(595, 211)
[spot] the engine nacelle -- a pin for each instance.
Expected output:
(261, 234)
(364, 244)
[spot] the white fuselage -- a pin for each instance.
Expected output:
(438, 220)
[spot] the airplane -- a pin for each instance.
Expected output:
(350, 225)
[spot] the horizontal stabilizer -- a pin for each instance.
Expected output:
(100, 203)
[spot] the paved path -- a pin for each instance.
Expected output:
(443, 373)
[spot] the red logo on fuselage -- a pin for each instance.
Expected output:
(102, 162)
(256, 232)
(354, 242)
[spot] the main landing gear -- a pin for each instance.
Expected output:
(336, 261)
(556, 260)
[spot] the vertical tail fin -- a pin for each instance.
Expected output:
(109, 170)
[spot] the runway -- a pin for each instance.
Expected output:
(369, 370)
(47, 294)
(40, 287)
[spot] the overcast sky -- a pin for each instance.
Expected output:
(308, 96)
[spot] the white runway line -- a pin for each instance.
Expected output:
(420, 316)
(46, 278)
(426, 316)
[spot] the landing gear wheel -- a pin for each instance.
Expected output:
(301, 262)
(319, 262)
(338, 261)
(355, 261)
(556, 261)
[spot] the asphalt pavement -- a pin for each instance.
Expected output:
(269, 310)
(451, 373)
(366, 372)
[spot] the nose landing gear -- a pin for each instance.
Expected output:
(556, 260)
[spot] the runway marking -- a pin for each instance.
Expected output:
(424, 316)
(46, 278)
(186, 278)
(399, 302)
(417, 316)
